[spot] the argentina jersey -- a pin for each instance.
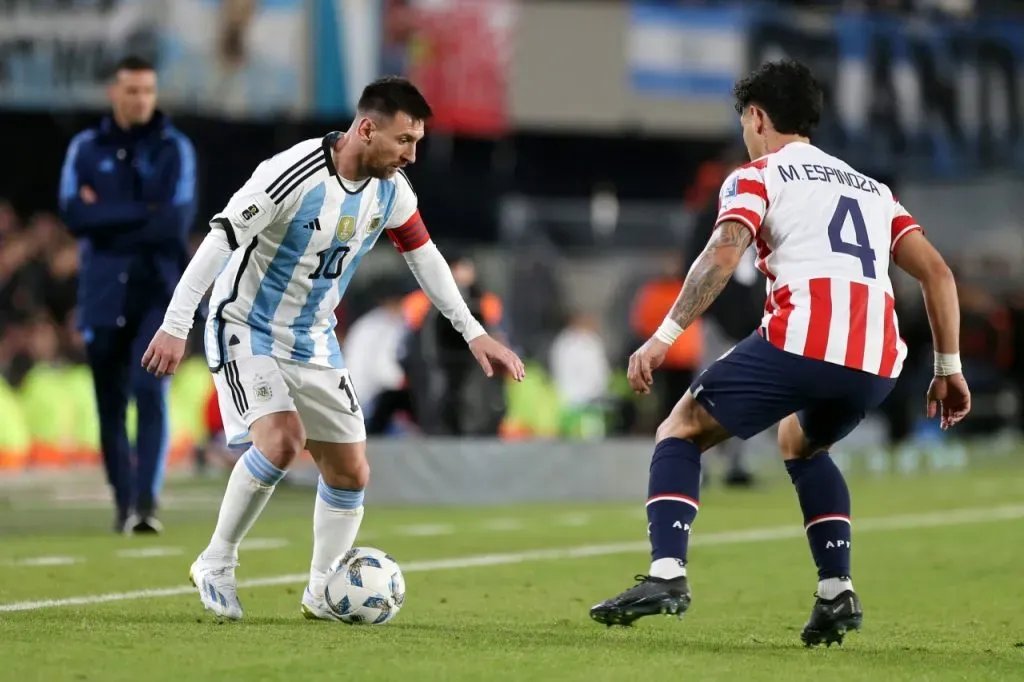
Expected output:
(299, 231)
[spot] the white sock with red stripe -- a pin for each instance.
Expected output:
(830, 588)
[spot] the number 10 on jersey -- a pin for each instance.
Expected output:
(332, 261)
(861, 247)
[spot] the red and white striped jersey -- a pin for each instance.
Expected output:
(824, 234)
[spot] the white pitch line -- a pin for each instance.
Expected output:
(502, 524)
(900, 522)
(48, 561)
(576, 519)
(149, 552)
(427, 529)
(256, 544)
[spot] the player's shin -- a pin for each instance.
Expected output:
(672, 503)
(825, 502)
(336, 519)
(249, 488)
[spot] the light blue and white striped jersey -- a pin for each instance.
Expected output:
(298, 231)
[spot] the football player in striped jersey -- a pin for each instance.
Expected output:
(827, 350)
(280, 257)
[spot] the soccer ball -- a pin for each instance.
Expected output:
(365, 586)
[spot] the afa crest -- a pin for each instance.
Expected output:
(375, 224)
(261, 389)
(346, 228)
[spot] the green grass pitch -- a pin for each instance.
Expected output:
(503, 593)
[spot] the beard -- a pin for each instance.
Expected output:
(380, 166)
(382, 171)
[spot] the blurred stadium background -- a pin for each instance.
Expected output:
(571, 173)
(576, 153)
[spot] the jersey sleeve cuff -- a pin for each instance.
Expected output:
(174, 330)
(903, 233)
(744, 220)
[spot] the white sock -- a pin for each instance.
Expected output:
(667, 568)
(336, 518)
(249, 489)
(830, 588)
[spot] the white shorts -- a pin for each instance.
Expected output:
(251, 387)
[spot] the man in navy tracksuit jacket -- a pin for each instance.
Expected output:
(127, 191)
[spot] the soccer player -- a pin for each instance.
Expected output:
(828, 348)
(282, 253)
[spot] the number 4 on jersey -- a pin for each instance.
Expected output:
(861, 248)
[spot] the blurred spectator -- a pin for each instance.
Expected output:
(1015, 303)
(579, 363)
(372, 347)
(650, 306)
(451, 395)
(987, 349)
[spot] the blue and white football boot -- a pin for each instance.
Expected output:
(214, 577)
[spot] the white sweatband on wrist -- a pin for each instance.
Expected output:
(668, 332)
(947, 364)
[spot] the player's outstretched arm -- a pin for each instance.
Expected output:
(167, 348)
(948, 394)
(704, 282)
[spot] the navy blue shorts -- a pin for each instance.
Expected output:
(756, 385)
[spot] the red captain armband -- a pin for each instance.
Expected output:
(411, 235)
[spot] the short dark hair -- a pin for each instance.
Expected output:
(133, 63)
(392, 94)
(788, 93)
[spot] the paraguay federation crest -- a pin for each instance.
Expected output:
(346, 228)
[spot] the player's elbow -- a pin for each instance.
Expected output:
(940, 273)
(922, 261)
(728, 258)
(935, 273)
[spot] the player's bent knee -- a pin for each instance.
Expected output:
(280, 437)
(352, 477)
(342, 465)
(690, 421)
(355, 479)
(793, 443)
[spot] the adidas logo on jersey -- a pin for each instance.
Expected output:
(312, 225)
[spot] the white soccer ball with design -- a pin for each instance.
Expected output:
(365, 586)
